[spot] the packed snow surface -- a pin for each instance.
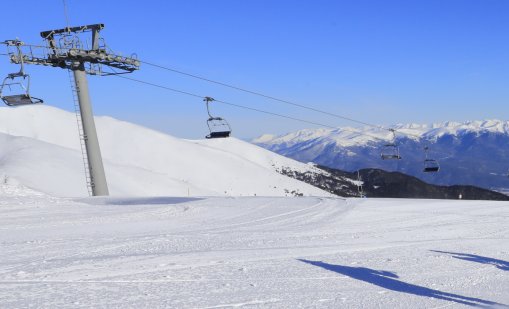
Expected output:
(252, 252)
(40, 148)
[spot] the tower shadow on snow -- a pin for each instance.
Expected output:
(500, 264)
(388, 280)
(125, 201)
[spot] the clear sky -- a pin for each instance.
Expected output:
(383, 62)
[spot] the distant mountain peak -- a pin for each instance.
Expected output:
(347, 136)
(470, 152)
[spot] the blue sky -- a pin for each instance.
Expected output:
(382, 62)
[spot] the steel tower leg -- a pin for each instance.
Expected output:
(95, 162)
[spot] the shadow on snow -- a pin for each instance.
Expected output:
(388, 280)
(500, 264)
(158, 200)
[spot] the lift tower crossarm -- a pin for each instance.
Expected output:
(94, 27)
(64, 52)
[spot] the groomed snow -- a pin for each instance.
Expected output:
(253, 252)
(39, 147)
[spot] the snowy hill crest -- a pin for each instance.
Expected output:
(40, 149)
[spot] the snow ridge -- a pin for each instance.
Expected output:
(40, 148)
(350, 136)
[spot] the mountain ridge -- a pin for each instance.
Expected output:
(470, 153)
(373, 133)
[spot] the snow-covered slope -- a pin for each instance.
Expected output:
(473, 152)
(251, 252)
(39, 147)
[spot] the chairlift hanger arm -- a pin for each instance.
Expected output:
(16, 57)
(207, 101)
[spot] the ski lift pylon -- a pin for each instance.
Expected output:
(15, 88)
(360, 183)
(390, 151)
(218, 127)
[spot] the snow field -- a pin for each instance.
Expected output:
(253, 252)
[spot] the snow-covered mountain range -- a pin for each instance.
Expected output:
(474, 152)
(39, 148)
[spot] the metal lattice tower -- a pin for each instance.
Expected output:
(68, 49)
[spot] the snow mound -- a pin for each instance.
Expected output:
(40, 148)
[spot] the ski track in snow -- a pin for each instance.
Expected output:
(253, 252)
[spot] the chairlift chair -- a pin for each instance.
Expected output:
(218, 127)
(430, 165)
(390, 151)
(15, 88)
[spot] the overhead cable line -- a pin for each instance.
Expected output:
(271, 113)
(160, 86)
(246, 107)
(262, 95)
(275, 99)
(254, 93)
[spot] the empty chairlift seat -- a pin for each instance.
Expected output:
(15, 90)
(219, 134)
(218, 127)
(390, 152)
(21, 99)
(431, 166)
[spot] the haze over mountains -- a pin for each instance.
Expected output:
(473, 153)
